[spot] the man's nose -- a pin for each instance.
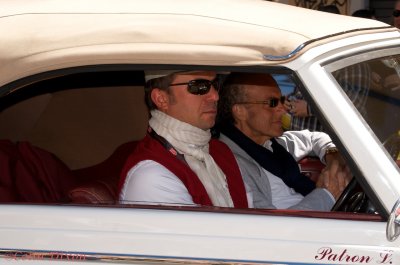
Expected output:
(213, 94)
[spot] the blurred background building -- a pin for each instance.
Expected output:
(382, 9)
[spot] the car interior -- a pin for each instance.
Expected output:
(64, 139)
(89, 122)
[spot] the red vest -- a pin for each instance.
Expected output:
(151, 149)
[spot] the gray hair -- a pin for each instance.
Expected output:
(229, 94)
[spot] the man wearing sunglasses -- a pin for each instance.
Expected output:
(177, 163)
(250, 121)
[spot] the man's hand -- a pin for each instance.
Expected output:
(391, 82)
(298, 107)
(334, 177)
(334, 156)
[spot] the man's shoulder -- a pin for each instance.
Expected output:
(147, 148)
(229, 143)
(150, 169)
(241, 156)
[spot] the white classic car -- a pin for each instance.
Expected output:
(71, 110)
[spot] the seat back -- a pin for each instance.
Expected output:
(31, 174)
(100, 182)
(80, 126)
(311, 167)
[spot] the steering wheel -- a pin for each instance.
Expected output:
(353, 200)
(344, 197)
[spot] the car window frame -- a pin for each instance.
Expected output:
(21, 84)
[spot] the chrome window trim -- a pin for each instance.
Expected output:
(301, 46)
(360, 57)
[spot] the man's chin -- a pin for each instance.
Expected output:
(206, 125)
(278, 132)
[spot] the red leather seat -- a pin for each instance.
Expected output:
(100, 182)
(311, 167)
(31, 174)
(94, 192)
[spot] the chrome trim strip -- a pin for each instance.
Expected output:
(301, 46)
(19, 254)
(288, 56)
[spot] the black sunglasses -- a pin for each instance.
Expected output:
(272, 102)
(199, 86)
(396, 13)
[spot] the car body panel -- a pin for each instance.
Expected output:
(159, 233)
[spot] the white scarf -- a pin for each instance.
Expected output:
(193, 142)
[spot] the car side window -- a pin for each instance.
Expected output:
(68, 138)
(374, 88)
(302, 116)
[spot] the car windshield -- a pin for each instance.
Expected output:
(374, 88)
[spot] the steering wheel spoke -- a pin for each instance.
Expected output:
(353, 199)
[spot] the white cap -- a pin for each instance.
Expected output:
(152, 74)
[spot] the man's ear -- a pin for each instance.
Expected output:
(239, 112)
(160, 98)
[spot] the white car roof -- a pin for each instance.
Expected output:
(40, 36)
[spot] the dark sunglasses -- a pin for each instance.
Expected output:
(396, 13)
(272, 102)
(199, 86)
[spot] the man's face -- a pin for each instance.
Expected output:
(261, 122)
(396, 20)
(197, 110)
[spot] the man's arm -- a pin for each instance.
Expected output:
(336, 175)
(305, 143)
(257, 183)
(317, 200)
(330, 185)
(149, 182)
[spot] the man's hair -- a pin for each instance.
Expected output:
(160, 83)
(229, 94)
(233, 91)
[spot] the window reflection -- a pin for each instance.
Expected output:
(374, 88)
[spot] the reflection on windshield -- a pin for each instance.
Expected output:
(374, 88)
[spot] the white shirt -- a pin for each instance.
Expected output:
(312, 143)
(149, 182)
(283, 197)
